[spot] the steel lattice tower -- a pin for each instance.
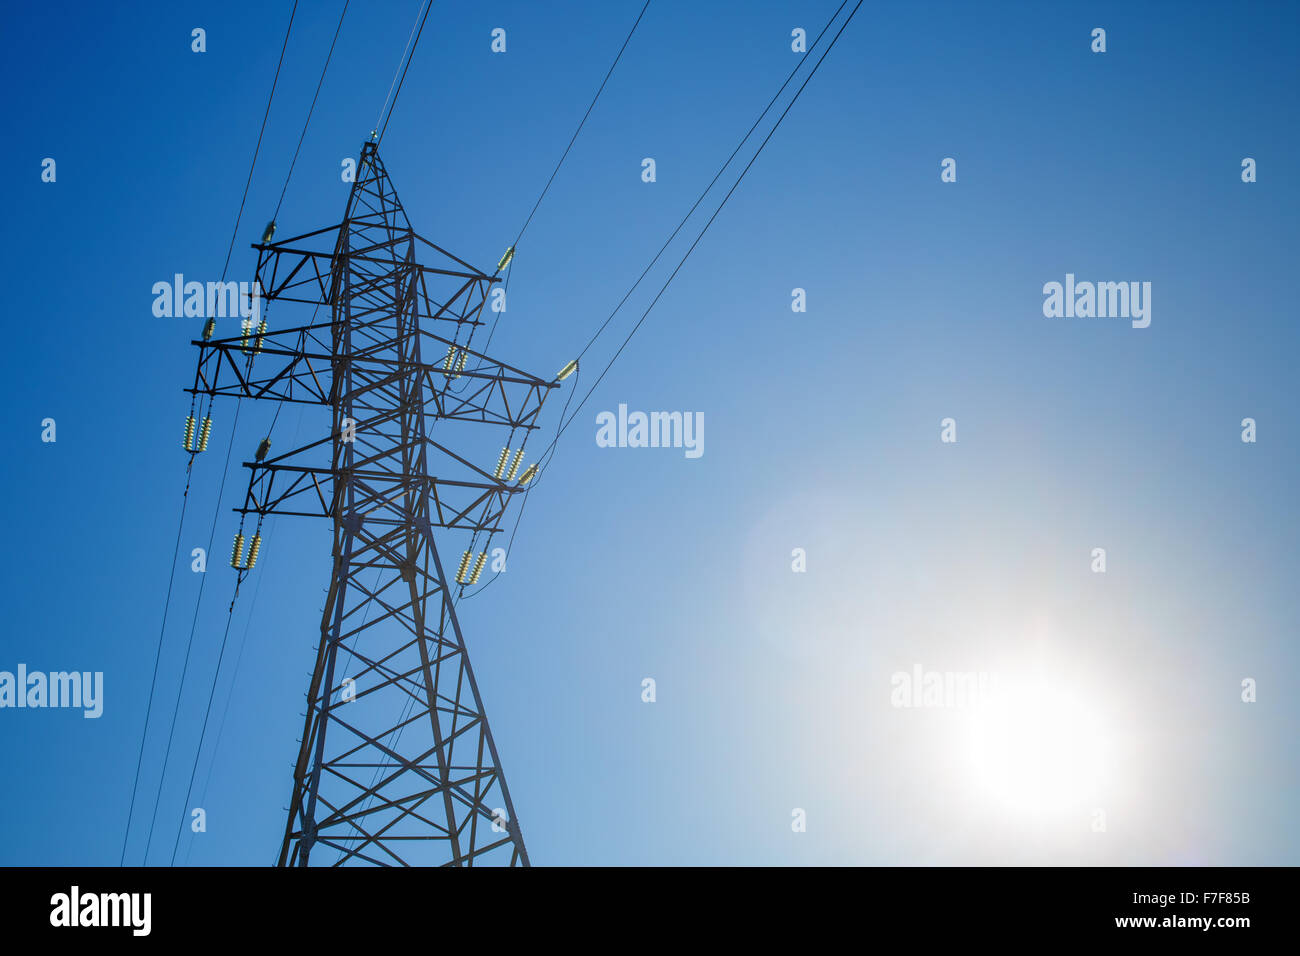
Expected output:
(397, 764)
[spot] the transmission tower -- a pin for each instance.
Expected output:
(397, 764)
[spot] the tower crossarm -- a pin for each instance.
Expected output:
(294, 365)
(305, 491)
(290, 271)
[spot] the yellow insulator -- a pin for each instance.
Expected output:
(204, 431)
(501, 463)
(567, 371)
(189, 433)
(268, 232)
(514, 465)
(261, 334)
(478, 567)
(529, 474)
(460, 366)
(237, 552)
(209, 327)
(245, 327)
(505, 260)
(253, 548)
(460, 571)
(450, 361)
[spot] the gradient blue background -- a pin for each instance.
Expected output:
(821, 429)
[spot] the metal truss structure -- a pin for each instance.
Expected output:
(397, 764)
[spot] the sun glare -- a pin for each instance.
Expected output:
(1038, 748)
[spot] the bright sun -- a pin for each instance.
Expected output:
(1038, 749)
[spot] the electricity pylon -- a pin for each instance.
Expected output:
(397, 764)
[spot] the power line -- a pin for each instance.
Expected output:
(239, 657)
(260, 133)
(414, 46)
(563, 424)
(207, 713)
(400, 60)
(574, 138)
(171, 733)
(311, 109)
(225, 468)
(189, 468)
(230, 693)
(730, 191)
(707, 189)
(153, 684)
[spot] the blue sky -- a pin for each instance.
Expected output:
(924, 301)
